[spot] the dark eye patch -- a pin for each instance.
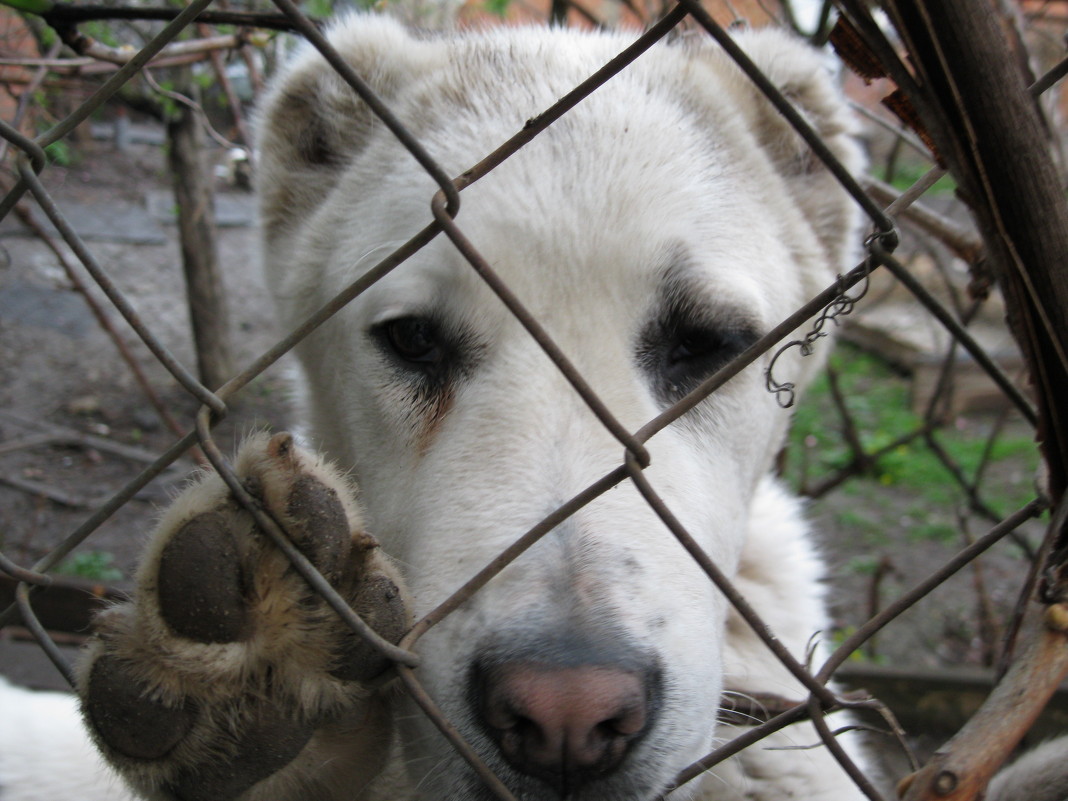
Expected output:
(427, 359)
(415, 340)
(687, 343)
(423, 350)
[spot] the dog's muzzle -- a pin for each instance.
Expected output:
(563, 723)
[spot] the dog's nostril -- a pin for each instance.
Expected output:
(564, 725)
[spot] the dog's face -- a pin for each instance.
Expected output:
(654, 238)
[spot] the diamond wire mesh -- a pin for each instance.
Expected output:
(822, 311)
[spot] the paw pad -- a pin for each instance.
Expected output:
(269, 740)
(226, 663)
(128, 718)
(200, 585)
(316, 522)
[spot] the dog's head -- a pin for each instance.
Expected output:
(655, 232)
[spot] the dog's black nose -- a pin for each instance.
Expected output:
(564, 725)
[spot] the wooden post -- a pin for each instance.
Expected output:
(200, 262)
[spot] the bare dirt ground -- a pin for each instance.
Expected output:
(60, 373)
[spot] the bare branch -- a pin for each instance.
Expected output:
(87, 46)
(64, 15)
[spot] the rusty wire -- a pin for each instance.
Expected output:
(825, 307)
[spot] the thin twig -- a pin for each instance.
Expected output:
(227, 86)
(45, 491)
(191, 104)
(52, 434)
(861, 459)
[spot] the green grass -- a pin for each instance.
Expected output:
(878, 402)
(93, 565)
(909, 172)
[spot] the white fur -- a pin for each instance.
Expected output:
(675, 171)
(44, 753)
(676, 164)
(1038, 775)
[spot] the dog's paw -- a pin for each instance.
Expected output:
(226, 666)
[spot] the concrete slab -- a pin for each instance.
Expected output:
(232, 209)
(56, 309)
(114, 221)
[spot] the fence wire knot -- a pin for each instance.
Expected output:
(843, 304)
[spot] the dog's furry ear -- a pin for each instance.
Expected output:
(312, 122)
(806, 77)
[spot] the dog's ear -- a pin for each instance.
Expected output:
(312, 122)
(807, 78)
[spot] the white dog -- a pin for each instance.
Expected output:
(656, 231)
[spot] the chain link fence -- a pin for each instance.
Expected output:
(1030, 665)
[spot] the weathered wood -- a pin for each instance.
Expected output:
(973, 98)
(200, 262)
(971, 93)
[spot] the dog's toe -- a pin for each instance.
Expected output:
(201, 585)
(122, 709)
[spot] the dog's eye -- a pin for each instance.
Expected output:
(678, 355)
(414, 339)
(693, 354)
(694, 344)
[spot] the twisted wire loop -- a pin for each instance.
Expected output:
(843, 304)
(445, 213)
(31, 150)
(27, 580)
(444, 209)
(886, 232)
(22, 574)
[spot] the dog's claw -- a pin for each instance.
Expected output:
(219, 672)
